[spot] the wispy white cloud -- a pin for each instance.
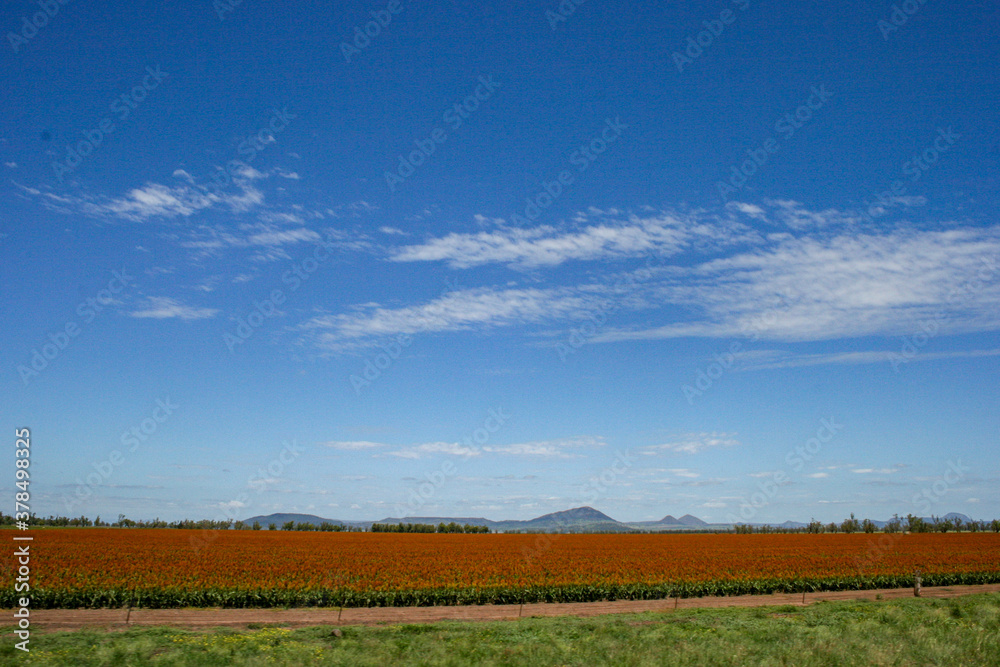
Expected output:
(561, 448)
(664, 234)
(154, 200)
(185, 199)
(751, 210)
(796, 216)
(180, 173)
(353, 445)
(882, 207)
(268, 241)
(436, 448)
(283, 237)
(161, 307)
(249, 173)
(692, 443)
(783, 359)
(815, 279)
(353, 209)
(612, 234)
(453, 311)
(802, 289)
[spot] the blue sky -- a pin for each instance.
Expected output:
(739, 260)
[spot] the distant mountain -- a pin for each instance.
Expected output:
(574, 516)
(297, 518)
(579, 519)
(688, 520)
(576, 520)
(670, 520)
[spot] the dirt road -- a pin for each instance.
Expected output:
(74, 619)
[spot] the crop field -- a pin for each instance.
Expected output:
(75, 568)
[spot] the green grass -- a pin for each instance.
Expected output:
(958, 631)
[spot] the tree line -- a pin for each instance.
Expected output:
(207, 524)
(427, 528)
(909, 524)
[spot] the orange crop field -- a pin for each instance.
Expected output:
(168, 568)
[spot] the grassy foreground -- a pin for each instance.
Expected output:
(957, 631)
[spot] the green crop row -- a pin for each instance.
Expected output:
(163, 598)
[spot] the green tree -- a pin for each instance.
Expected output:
(850, 525)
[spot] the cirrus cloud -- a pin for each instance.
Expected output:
(161, 308)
